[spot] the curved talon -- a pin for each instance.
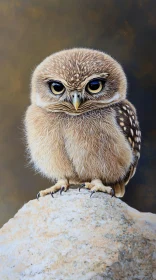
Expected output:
(112, 193)
(92, 193)
(62, 189)
(38, 196)
(83, 185)
(52, 194)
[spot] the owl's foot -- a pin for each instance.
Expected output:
(61, 185)
(96, 185)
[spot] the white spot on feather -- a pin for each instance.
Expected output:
(114, 98)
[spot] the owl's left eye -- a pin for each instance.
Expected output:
(56, 87)
(95, 86)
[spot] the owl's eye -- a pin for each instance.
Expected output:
(56, 88)
(95, 86)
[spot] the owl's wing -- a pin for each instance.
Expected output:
(127, 120)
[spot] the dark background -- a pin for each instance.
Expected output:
(32, 30)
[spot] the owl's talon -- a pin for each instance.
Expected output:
(52, 194)
(82, 185)
(61, 185)
(96, 185)
(38, 196)
(92, 193)
(61, 190)
(112, 193)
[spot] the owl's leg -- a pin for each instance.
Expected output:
(61, 185)
(97, 185)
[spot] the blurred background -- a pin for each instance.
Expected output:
(30, 31)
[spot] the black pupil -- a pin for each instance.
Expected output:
(94, 85)
(58, 87)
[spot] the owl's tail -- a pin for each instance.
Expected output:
(119, 190)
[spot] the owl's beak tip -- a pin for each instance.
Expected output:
(76, 100)
(76, 106)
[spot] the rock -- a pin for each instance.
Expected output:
(73, 236)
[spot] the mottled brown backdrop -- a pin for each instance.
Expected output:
(32, 30)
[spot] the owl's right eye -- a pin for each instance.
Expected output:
(56, 87)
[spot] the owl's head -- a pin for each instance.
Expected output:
(76, 81)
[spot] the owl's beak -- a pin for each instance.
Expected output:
(76, 100)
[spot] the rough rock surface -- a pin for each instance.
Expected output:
(73, 236)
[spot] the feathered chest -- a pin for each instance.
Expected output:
(94, 142)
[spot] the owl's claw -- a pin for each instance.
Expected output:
(96, 185)
(92, 193)
(112, 193)
(61, 190)
(38, 196)
(61, 185)
(83, 185)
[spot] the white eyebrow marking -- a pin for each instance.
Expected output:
(115, 97)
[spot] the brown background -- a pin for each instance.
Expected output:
(31, 30)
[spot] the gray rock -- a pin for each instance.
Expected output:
(73, 236)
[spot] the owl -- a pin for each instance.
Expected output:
(80, 128)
